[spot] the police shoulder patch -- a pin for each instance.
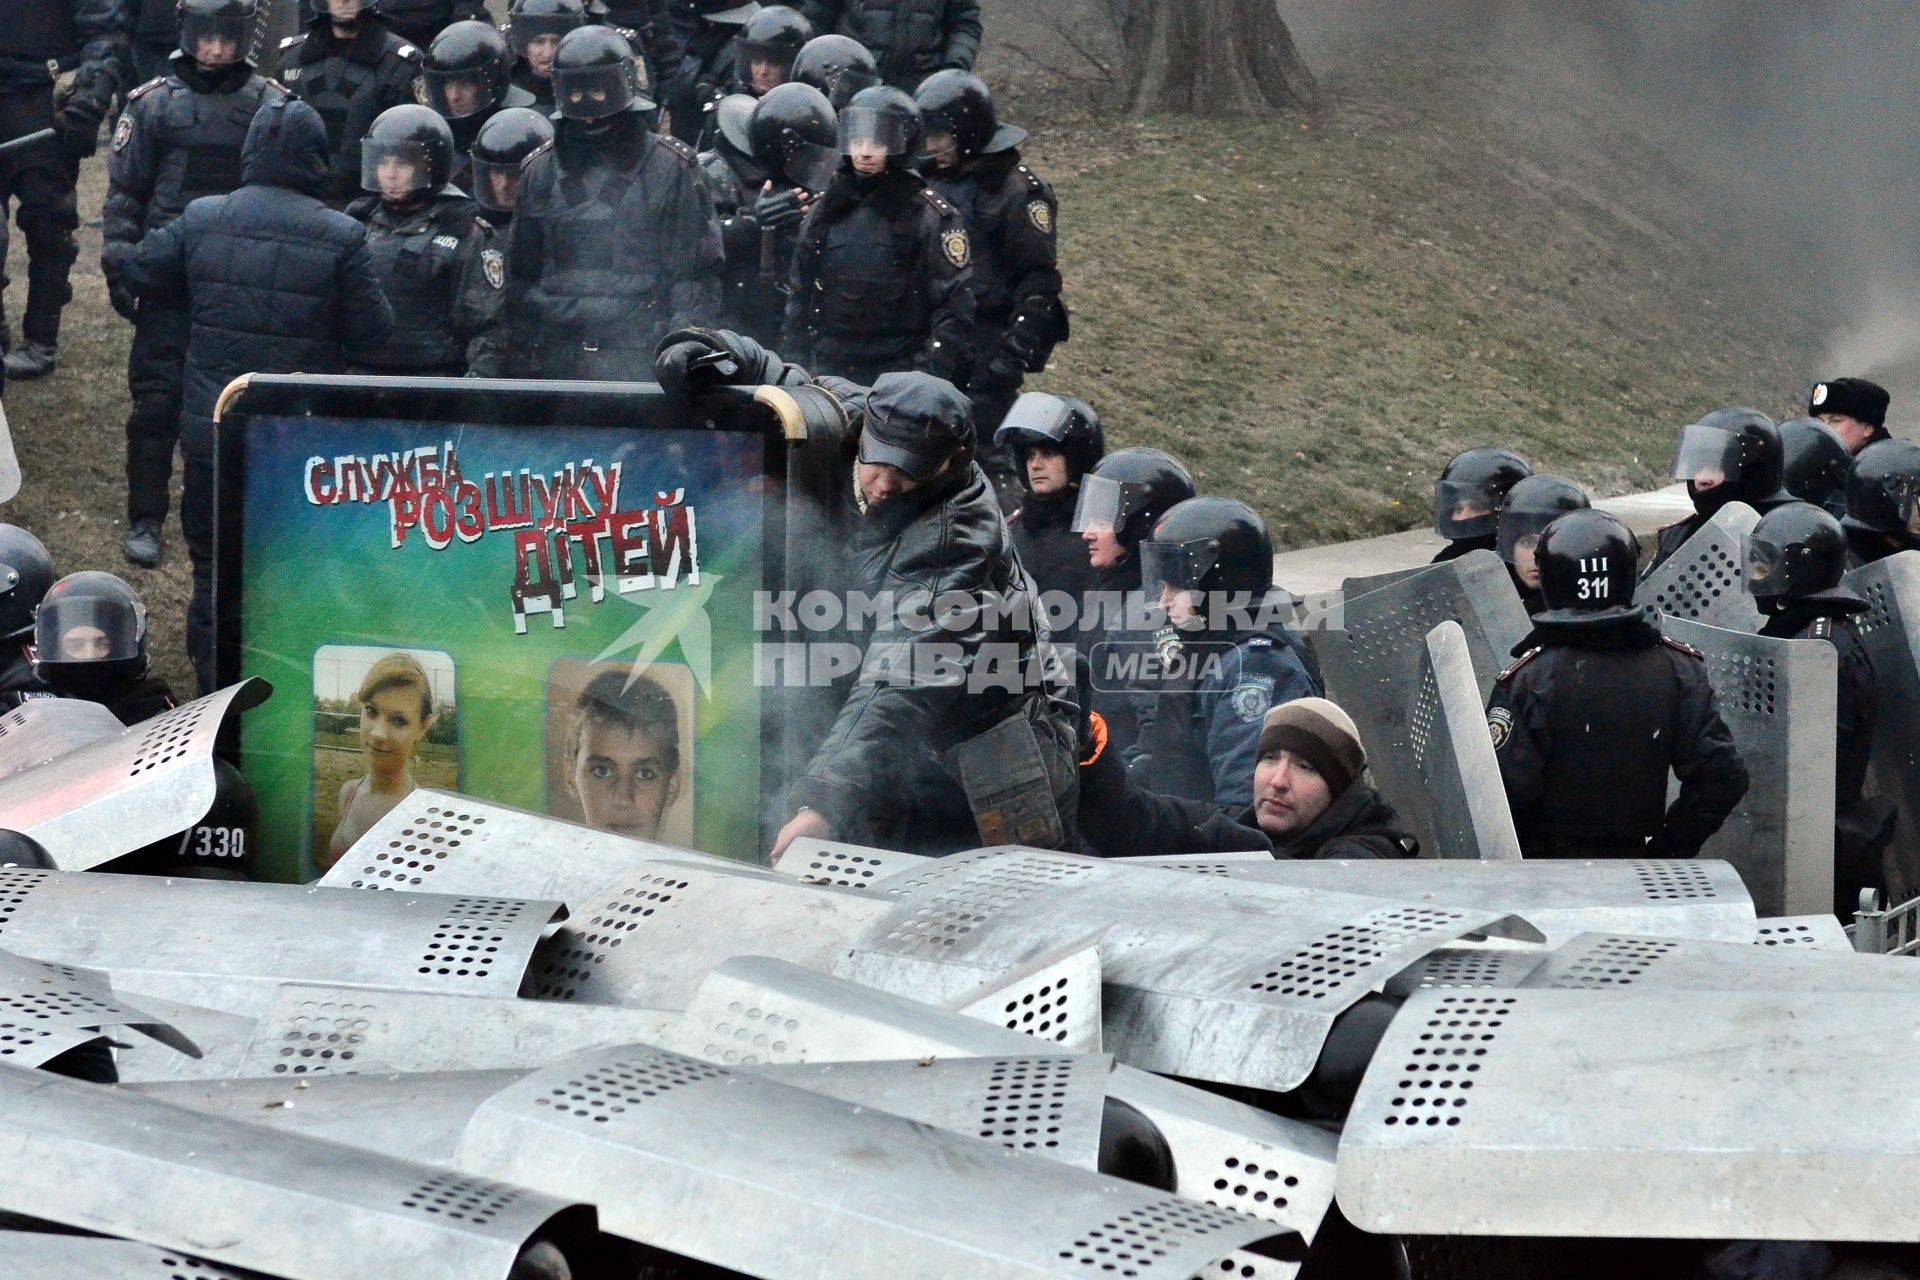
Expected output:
(679, 148)
(146, 88)
(956, 246)
(1259, 642)
(1687, 649)
(1040, 214)
(290, 42)
(1518, 663)
(1500, 726)
(939, 203)
(447, 242)
(495, 267)
(123, 132)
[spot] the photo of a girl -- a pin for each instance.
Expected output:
(391, 717)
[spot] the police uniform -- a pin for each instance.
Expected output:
(1586, 726)
(349, 82)
(614, 243)
(18, 681)
(751, 302)
(882, 281)
(179, 139)
(704, 68)
(442, 269)
(1018, 317)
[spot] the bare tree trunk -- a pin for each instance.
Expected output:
(1211, 57)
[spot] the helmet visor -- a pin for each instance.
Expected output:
(1771, 569)
(528, 28)
(496, 184)
(807, 165)
(1103, 506)
(460, 94)
(593, 93)
(214, 40)
(1464, 510)
(844, 82)
(1036, 418)
(764, 64)
(1177, 566)
(89, 629)
(395, 170)
(1708, 456)
(869, 127)
(1520, 532)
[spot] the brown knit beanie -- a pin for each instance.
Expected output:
(1321, 734)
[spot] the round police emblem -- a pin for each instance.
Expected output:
(1819, 395)
(123, 133)
(495, 267)
(955, 245)
(1040, 214)
(1500, 726)
(1250, 701)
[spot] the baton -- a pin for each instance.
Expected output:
(26, 141)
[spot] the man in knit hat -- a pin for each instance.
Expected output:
(1310, 798)
(1853, 407)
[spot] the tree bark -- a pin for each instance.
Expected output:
(1212, 57)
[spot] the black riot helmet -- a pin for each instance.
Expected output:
(529, 20)
(771, 38)
(406, 138)
(1468, 494)
(838, 66)
(90, 632)
(1533, 504)
(465, 72)
(792, 133)
(226, 20)
(1815, 460)
(1208, 546)
(1798, 552)
(220, 846)
(26, 571)
(23, 851)
(730, 118)
(885, 116)
(503, 144)
(595, 76)
(1126, 493)
(959, 105)
(1062, 423)
(1883, 491)
(1731, 455)
(1588, 563)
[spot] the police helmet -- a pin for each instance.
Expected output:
(959, 104)
(220, 846)
(1588, 561)
(90, 630)
(468, 61)
(503, 144)
(1208, 545)
(1798, 552)
(1883, 490)
(885, 116)
(838, 66)
(595, 76)
(793, 134)
(1468, 494)
(413, 146)
(1058, 422)
(1127, 492)
(1815, 460)
(529, 20)
(1737, 452)
(26, 571)
(772, 37)
(1531, 505)
(20, 850)
(226, 20)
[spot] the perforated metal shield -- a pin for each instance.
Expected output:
(650, 939)
(679, 1153)
(1686, 1115)
(1608, 962)
(48, 728)
(1466, 969)
(117, 794)
(9, 462)
(46, 1010)
(1204, 978)
(1056, 999)
(1464, 799)
(1890, 632)
(1704, 581)
(221, 1037)
(847, 866)
(1803, 933)
(1778, 698)
(1372, 666)
(111, 1161)
(1690, 898)
(32, 1255)
(227, 945)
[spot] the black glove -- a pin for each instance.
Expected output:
(1003, 373)
(124, 300)
(694, 360)
(778, 210)
(79, 127)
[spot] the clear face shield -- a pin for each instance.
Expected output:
(847, 81)
(496, 184)
(89, 630)
(1708, 457)
(593, 93)
(460, 94)
(219, 41)
(1464, 510)
(1035, 418)
(1104, 505)
(868, 131)
(345, 12)
(1520, 531)
(529, 29)
(1173, 574)
(763, 64)
(396, 171)
(807, 165)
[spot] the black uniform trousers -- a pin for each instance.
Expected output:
(41, 180)
(154, 367)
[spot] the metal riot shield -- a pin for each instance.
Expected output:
(1890, 631)
(111, 1161)
(9, 462)
(1372, 666)
(1465, 969)
(1803, 933)
(845, 866)
(1205, 978)
(48, 728)
(1464, 799)
(1663, 898)
(221, 1037)
(684, 1155)
(1705, 580)
(46, 1010)
(1778, 698)
(117, 794)
(650, 938)
(1056, 999)
(228, 945)
(1608, 962)
(1684, 1115)
(39, 1255)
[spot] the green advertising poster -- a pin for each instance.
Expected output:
(555, 617)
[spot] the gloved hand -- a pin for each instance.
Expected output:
(125, 302)
(79, 125)
(778, 210)
(1002, 374)
(694, 360)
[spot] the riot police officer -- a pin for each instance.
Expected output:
(974, 161)
(466, 77)
(415, 21)
(348, 67)
(883, 277)
(1531, 505)
(1731, 455)
(1467, 498)
(26, 571)
(39, 39)
(912, 38)
(179, 139)
(837, 66)
(614, 240)
(499, 150)
(1883, 502)
(764, 51)
(1054, 441)
(435, 254)
(90, 642)
(1600, 707)
(1209, 563)
(705, 30)
(1796, 564)
(534, 31)
(1815, 463)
